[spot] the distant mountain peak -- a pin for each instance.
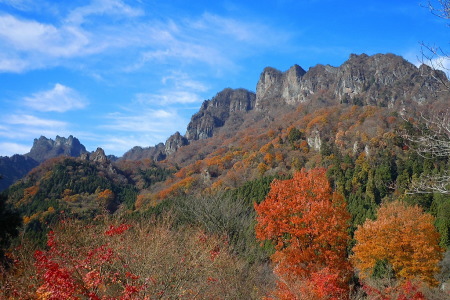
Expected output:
(380, 79)
(44, 148)
(214, 113)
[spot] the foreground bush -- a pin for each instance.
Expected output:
(129, 261)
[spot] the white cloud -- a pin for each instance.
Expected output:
(18, 4)
(183, 81)
(18, 130)
(30, 120)
(59, 99)
(11, 64)
(9, 149)
(179, 88)
(32, 36)
(235, 29)
(170, 97)
(105, 27)
(210, 39)
(103, 7)
(148, 121)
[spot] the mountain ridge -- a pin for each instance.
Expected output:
(384, 80)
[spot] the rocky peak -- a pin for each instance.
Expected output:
(215, 112)
(174, 142)
(44, 148)
(381, 79)
(98, 156)
(156, 153)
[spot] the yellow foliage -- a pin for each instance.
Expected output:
(262, 168)
(279, 157)
(266, 148)
(268, 158)
(405, 237)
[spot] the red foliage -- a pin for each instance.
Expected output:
(68, 276)
(308, 225)
(116, 230)
(405, 291)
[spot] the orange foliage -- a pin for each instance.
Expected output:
(402, 235)
(140, 199)
(279, 157)
(266, 148)
(105, 195)
(391, 120)
(28, 194)
(31, 191)
(308, 225)
(179, 188)
(268, 158)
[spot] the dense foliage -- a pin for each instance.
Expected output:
(402, 237)
(308, 225)
(344, 160)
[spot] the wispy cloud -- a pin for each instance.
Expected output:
(178, 88)
(33, 121)
(59, 99)
(139, 128)
(10, 149)
(106, 26)
(28, 37)
(150, 121)
(25, 127)
(103, 7)
(169, 97)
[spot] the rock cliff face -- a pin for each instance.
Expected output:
(44, 148)
(98, 156)
(215, 112)
(174, 142)
(274, 84)
(212, 115)
(156, 153)
(381, 80)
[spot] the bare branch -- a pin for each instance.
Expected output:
(431, 184)
(436, 57)
(440, 9)
(431, 139)
(438, 60)
(434, 135)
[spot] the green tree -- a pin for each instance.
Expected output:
(9, 222)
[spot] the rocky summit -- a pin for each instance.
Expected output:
(380, 80)
(44, 148)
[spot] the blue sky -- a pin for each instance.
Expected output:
(123, 73)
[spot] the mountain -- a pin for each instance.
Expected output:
(44, 148)
(298, 117)
(385, 80)
(215, 112)
(354, 108)
(17, 166)
(229, 103)
(13, 168)
(382, 80)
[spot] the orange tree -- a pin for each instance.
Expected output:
(307, 223)
(402, 236)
